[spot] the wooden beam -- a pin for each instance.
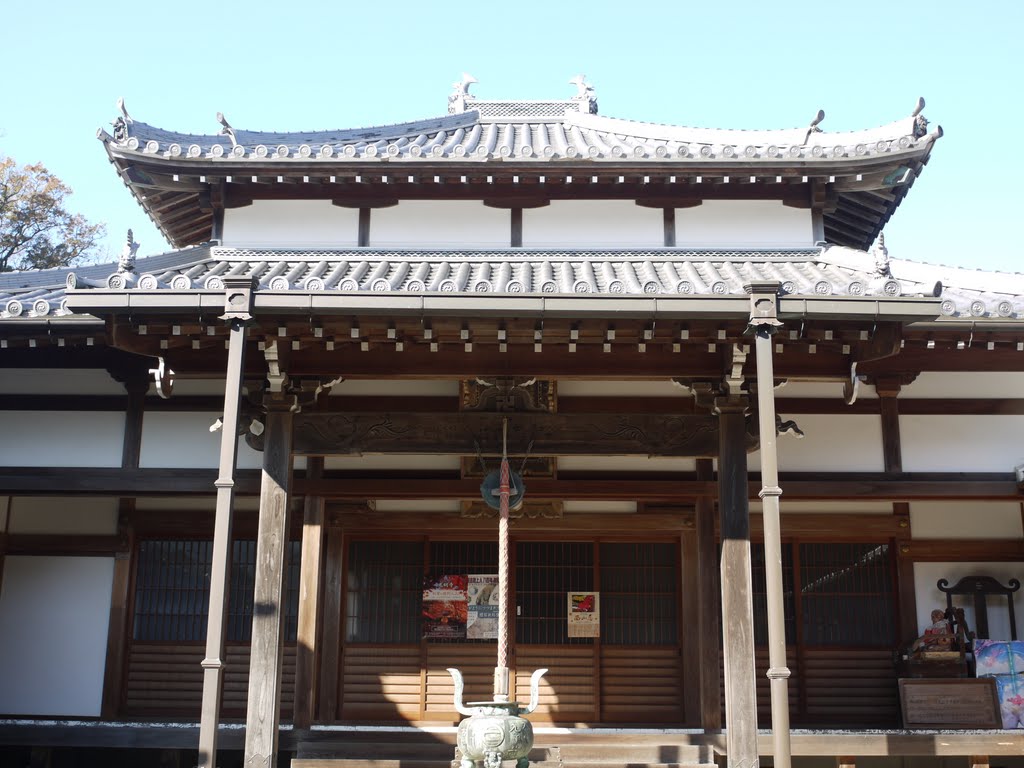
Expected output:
(469, 433)
(637, 486)
(963, 550)
(892, 453)
(263, 711)
(307, 645)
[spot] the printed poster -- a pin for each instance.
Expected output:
(584, 614)
(483, 598)
(444, 608)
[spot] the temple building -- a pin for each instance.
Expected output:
(245, 481)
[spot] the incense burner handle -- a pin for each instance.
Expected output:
(535, 690)
(457, 678)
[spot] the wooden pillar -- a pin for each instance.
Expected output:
(709, 629)
(117, 626)
(737, 597)
(263, 712)
(306, 651)
(330, 644)
(888, 389)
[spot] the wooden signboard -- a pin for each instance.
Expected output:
(950, 703)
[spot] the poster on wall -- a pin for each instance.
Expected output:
(444, 608)
(584, 614)
(482, 617)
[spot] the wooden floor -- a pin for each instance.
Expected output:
(805, 743)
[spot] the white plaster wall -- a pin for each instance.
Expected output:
(57, 381)
(63, 515)
(409, 461)
(748, 223)
(418, 505)
(391, 388)
(583, 388)
(970, 384)
(292, 223)
(197, 387)
(929, 598)
(966, 520)
(823, 390)
(600, 507)
(61, 438)
(832, 443)
(627, 463)
(593, 223)
(416, 223)
(172, 439)
(53, 634)
(962, 443)
(207, 503)
(852, 506)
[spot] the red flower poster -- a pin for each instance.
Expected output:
(444, 608)
(584, 614)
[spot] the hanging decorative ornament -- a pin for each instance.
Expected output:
(490, 489)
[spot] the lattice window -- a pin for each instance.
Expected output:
(545, 573)
(639, 594)
(172, 591)
(846, 593)
(384, 592)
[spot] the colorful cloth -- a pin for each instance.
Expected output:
(998, 657)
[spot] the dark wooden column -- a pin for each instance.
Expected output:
(892, 451)
(330, 643)
(888, 390)
(264, 707)
(306, 651)
(136, 385)
(737, 597)
(709, 629)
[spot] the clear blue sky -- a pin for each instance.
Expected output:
(319, 65)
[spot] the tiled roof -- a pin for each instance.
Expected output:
(859, 178)
(829, 271)
(573, 137)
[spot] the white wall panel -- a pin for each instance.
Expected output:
(600, 507)
(626, 389)
(593, 224)
(64, 515)
(394, 388)
(292, 223)
(926, 575)
(437, 223)
(852, 506)
(824, 390)
(61, 438)
(746, 223)
(57, 381)
(966, 520)
(627, 463)
(418, 505)
(171, 439)
(962, 443)
(53, 634)
(409, 461)
(832, 443)
(207, 503)
(960, 384)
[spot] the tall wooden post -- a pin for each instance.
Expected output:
(764, 321)
(309, 601)
(737, 597)
(708, 616)
(263, 712)
(237, 305)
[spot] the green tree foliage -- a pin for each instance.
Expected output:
(36, 229)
